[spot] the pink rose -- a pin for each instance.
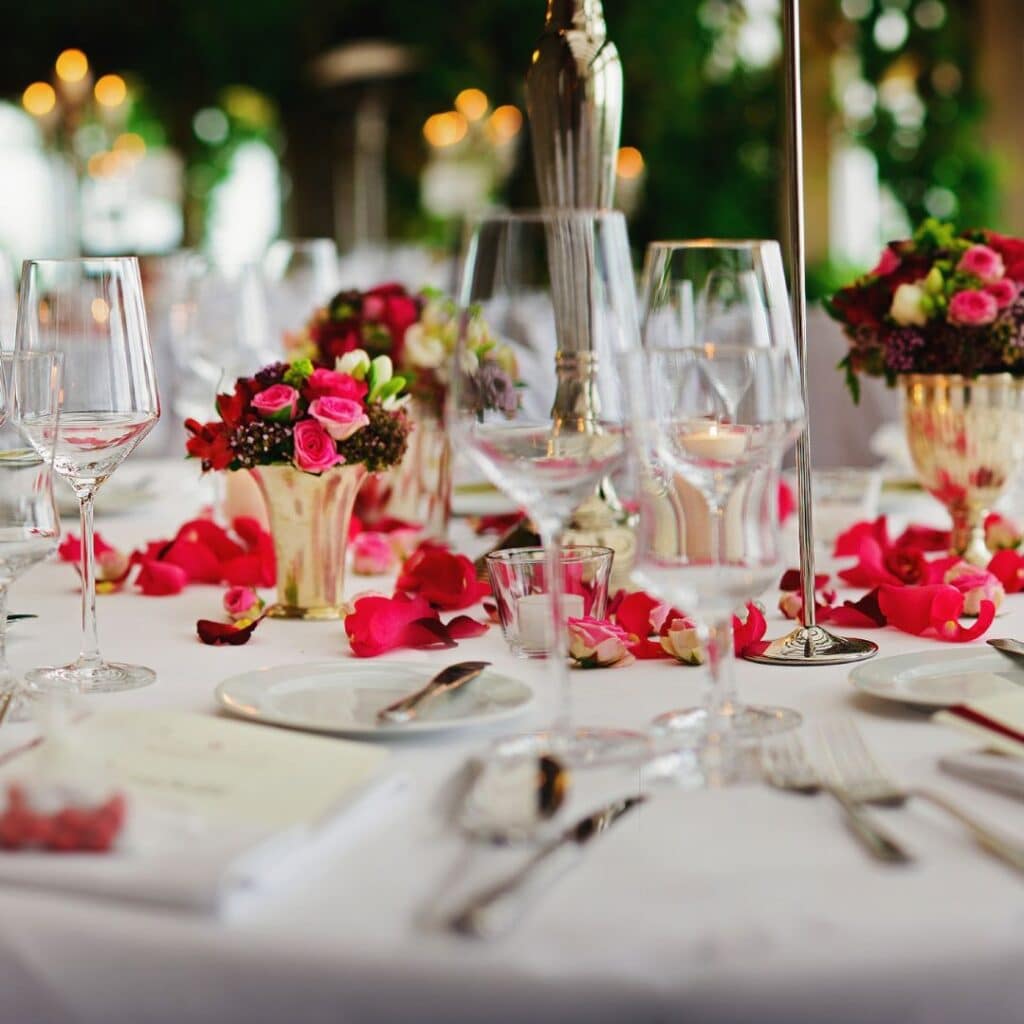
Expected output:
(279, 402)
(340, 417)
(594, 643)
(324, 383)
(314, 447)
(242, 603)
(372, 554)
(972, 309)
(983, 262)
(887, 263)
(1004, 292)
(976, 585)
(682, 642)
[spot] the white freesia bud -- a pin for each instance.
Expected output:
(355, 363)
(422, 349)
(907, 307)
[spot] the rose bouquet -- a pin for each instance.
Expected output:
(938, 303)
(312, 418)
(418, 332)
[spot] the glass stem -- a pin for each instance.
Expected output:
(721, 698)
(5, 669)
(551, 537)
(90, 651)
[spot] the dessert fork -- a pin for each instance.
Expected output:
(787, 766)
(865, 782)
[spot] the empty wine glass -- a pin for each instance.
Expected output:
(555, 288)
(91, 311)
(302, 274)
(29, 526)
(708, 531)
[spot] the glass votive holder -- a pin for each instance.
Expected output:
(519, 587)
(842, 497)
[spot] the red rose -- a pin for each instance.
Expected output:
(1012, 252)
(335, 338)
(446, 580)
(393, 307)
(908, 565)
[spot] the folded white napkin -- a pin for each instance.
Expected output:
(994, 770)
(176, 860)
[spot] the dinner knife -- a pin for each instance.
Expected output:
(448, 680)
(497, 908)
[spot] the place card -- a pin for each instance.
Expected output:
(219, 769)
(998, 720)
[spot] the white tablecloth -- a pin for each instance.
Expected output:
(736, 905)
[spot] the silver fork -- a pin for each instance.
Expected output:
(867, 783)
(787, 766)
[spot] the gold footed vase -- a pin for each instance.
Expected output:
(309, 519)
(966, 437)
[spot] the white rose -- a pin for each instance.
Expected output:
(906, 306)
(423, 350)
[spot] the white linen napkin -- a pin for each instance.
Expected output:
(994, 770)
(173, 860)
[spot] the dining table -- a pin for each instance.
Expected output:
(705, 904)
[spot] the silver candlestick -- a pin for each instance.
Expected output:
(808, 644)
(574, 101)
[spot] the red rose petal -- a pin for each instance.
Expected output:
(160, 579)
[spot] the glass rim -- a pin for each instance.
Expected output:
(577, 553)
(540, 214)
(748, 244)
(53, 261)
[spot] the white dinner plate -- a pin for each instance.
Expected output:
(939, 678)
(343, 698)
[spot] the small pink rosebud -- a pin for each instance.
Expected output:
(372, 554)
(597, 643)
(983, 262)
(1001, 533)
(279, 402)
(976, 585)
(242, 603)
(681, 640)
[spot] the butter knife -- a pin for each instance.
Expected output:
(494, 910)
(448, 680)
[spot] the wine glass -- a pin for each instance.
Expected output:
(91, 311)
(302, 274)
(29, 527)
(708, 536)
(555, 287)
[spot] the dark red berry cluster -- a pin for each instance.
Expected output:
(70, 830)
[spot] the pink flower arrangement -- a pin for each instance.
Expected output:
(939, 302)
(312, 418)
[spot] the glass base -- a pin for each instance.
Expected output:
(101, 677)
(749, 721)
(580, 748)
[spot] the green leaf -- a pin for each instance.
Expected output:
(298, 373)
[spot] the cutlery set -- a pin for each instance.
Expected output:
(856, 781)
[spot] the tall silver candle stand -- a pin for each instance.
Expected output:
(574, 101)
(809, 644)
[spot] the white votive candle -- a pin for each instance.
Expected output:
(719, 443)
(533, 612)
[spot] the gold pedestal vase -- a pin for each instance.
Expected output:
(309, 519)
(966, 437)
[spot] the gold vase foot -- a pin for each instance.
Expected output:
(328, 613)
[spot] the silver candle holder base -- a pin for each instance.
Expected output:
(813, 645)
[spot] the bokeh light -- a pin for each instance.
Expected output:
(72, 66)
(110, 91)
(39, 99)
(505, 123)
(629, 163)
(472, 104)
(445, 129)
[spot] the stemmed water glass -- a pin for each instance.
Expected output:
(29, 527)
(91, 311)
(555, 287)
(708, 531)
(302, 274)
